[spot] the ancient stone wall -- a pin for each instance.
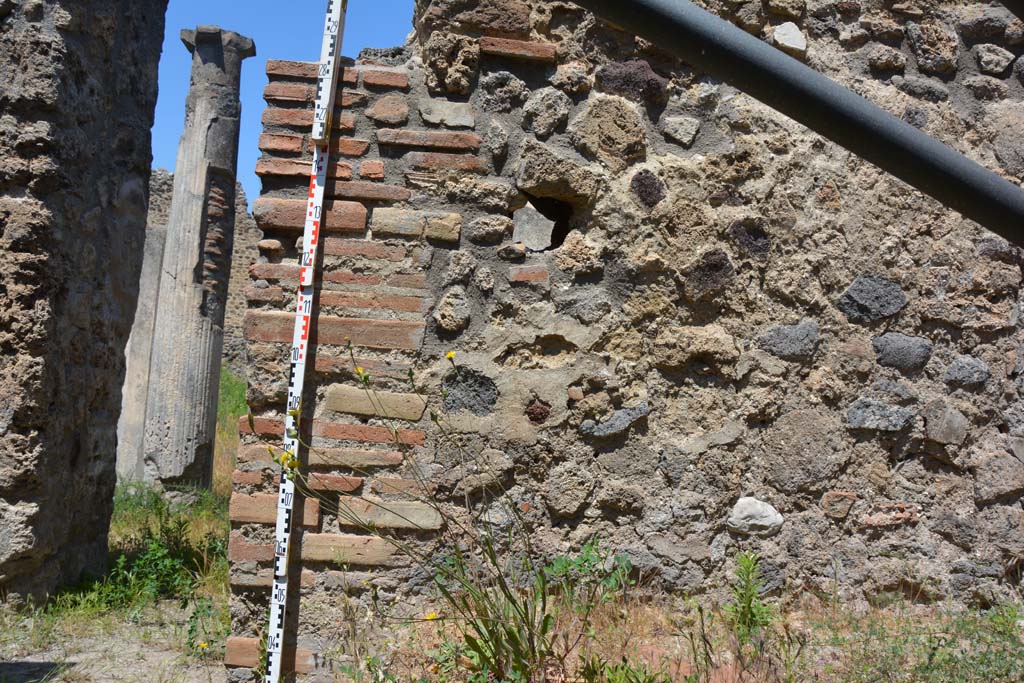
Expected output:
(245, 253)
(76, 107)
(684, 324)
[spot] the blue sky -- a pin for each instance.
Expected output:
(282, 30)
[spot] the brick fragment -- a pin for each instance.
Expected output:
(298, 168)
(408, 281)
(528, 274)
(431, 139)
(246, 653)
(273, 428)
(385, 79)
(518, 49)
(291, 214)
(372, 169)
(261, 508)
(390, 514)
(443, 161)
(277, 326)
(347, 549)
(343, 398)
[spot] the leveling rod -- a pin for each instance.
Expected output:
(327, 85)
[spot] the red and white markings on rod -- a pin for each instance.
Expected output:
(327, 84)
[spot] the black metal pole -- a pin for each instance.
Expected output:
(783, 83)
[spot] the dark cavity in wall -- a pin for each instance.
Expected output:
(558, 211)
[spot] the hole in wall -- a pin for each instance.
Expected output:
(557, 211)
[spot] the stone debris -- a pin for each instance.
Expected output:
(901, 351)
(871, 414)
(453, 311)
(532, 229)
(681, 129)
(790, 39)
(753, 517)
(546, 111)
(616, 425)
(791, 342)
(967, 372)
(870, 298)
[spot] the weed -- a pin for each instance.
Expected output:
(597, 670)
(749, 615)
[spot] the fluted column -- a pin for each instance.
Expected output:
(181, 407)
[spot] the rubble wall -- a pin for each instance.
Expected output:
(685, 325)
(76, 108)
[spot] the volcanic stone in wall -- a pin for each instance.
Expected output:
(76, 109)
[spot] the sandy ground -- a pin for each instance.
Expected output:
(148, 651)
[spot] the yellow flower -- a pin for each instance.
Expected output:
(359, 370)
(203, 645)
(450, 355)
(432, 616)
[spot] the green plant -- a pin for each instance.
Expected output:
(597, 670)
(749, 615)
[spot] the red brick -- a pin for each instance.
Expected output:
(242, 478)
(318, 481)
(277, 326)
(300, 92)
(246, 652)
(351, 458)
(338, 246)
(408, 281)
(303, 118)
(442, 161)
(241, 550)
(372, 300)
(342, 365)
(350, 147)
(372, 169)
(402, 487)
(376, 192)
(385, 79)
(528, 274)
(428, 139)
(297, 167)
(518, 49)
(291, 214)
(391, 110)
(288, 144)
(305, 71)
(261, 508)
(273, 428)
(289, 272)
(265, 295)
(264, 578)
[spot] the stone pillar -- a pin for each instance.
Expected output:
(132, 423)
(181, 408)
(80, 85)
